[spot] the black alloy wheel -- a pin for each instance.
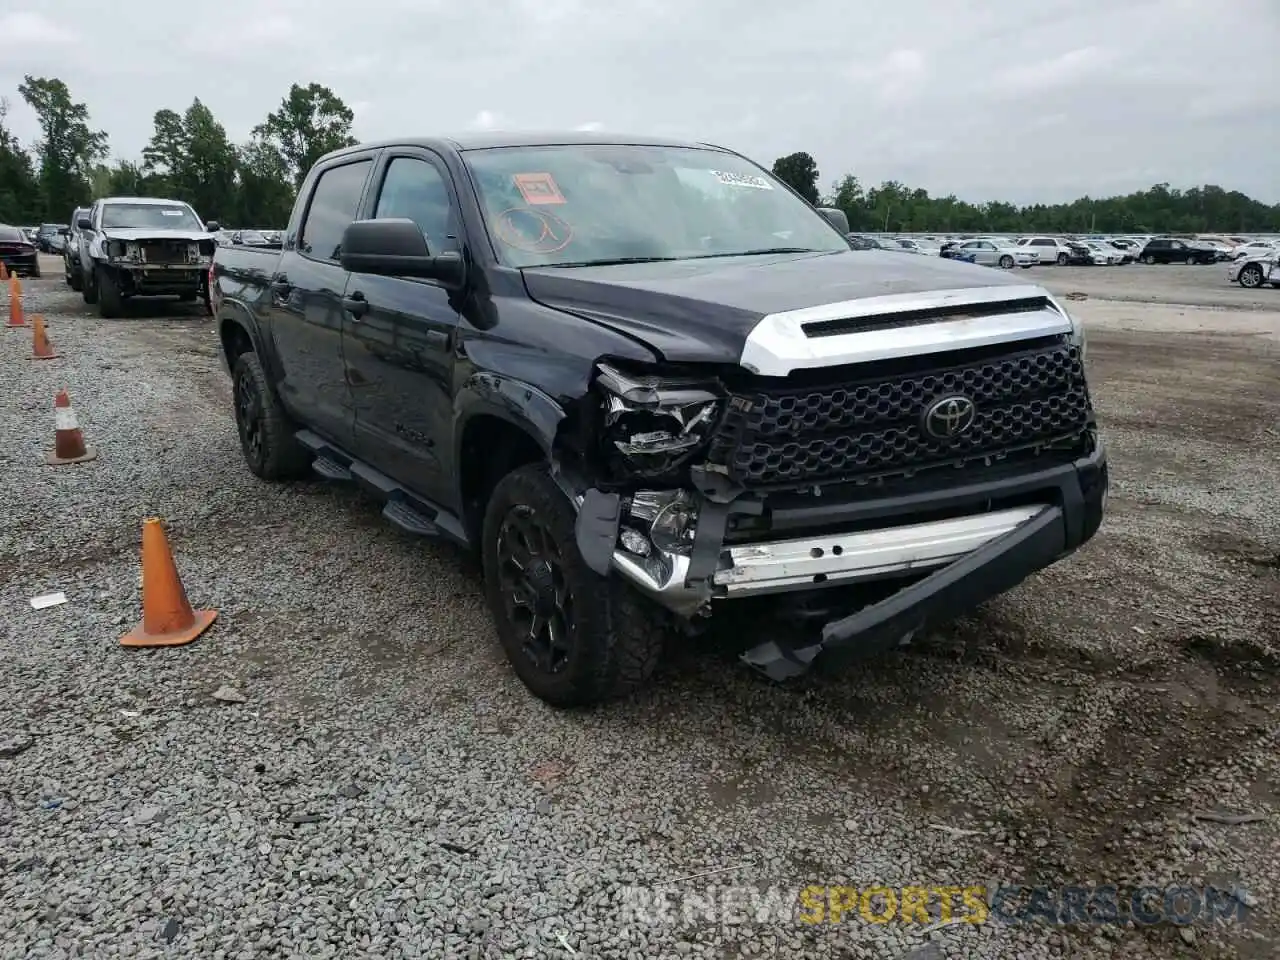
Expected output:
(535, 588)
(249, 418)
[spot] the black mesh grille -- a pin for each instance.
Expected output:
(872, 428)
(164, 252)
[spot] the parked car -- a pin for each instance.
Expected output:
(1173, 250)
(71, 249)
(918, 245)
(861, 243)
(1048, 249)
(994, 252)
(1221, 250)
(143, 247)
(636, 414)
(951, 251)
(1103, 254)
(1252, 248)
(18, 253)
(1261, 268)
(45, 234)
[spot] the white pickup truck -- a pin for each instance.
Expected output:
(143, 247)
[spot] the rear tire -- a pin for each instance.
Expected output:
(1149, 260)
(267, 439)
(601, 643)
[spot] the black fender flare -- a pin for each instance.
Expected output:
(522, 405)
(235, 313)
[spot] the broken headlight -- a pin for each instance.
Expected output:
(653, 425)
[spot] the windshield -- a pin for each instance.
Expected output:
(580, 205)
(158, 216)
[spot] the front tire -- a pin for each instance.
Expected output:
(1251, 276)
(1006, 262)
(1192, 261)
(574, 638)
(270, 449)
(110, 299)
(1063, 259)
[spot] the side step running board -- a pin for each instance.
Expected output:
(401, 508)
(330, 469)
(400, 514)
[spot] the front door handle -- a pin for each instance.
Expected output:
(356, 305)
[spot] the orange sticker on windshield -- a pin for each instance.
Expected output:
(538, 189)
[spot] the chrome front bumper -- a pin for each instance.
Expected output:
(810, 562)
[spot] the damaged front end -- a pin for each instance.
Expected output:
(709, 487)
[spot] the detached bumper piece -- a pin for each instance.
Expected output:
(990, 570)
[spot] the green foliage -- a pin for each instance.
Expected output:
(19, 187)
(311, 121)
(68, 147)
(800, 172)
(894, 207)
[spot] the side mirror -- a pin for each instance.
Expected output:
(395, 247)
(212, 226)
(84, 223)
(836, 217)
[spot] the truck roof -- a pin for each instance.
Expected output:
(157, 201)
(488, 139)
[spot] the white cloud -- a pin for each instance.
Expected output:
(590, 126)
(24, 29)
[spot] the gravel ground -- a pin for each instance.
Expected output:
(387, 788)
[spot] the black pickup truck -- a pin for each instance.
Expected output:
(644, 379)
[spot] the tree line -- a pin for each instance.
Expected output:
(190, 157)
(894, 207)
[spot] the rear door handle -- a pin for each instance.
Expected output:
(356, 305)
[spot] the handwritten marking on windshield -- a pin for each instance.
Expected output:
(533, 231)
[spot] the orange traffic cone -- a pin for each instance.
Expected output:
(167, 617)
(16, 318)
(68, 441)
(41, 348)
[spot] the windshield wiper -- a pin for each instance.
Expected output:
(611, 262)
(763, 251)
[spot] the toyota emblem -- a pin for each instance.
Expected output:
(949, 417)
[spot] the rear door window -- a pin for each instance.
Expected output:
(334, 204)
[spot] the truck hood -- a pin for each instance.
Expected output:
(703, 310)
(134, 234)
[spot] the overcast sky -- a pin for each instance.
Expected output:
(1024, 100)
